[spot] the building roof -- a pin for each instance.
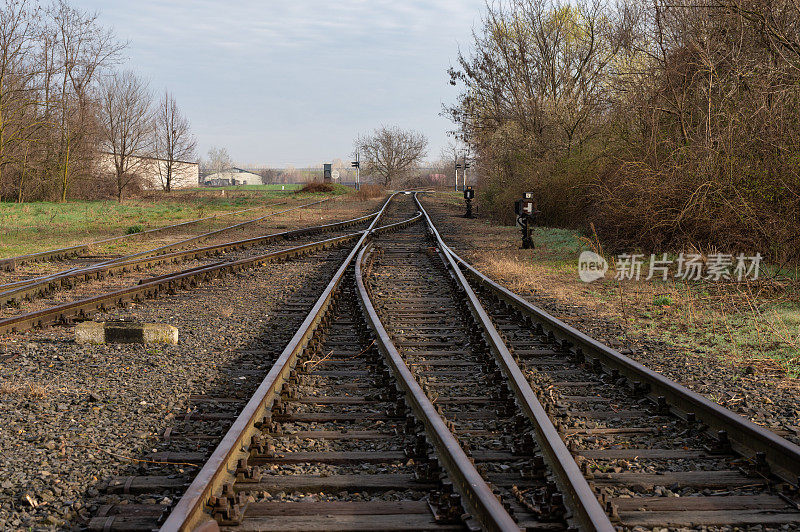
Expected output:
(152, 158)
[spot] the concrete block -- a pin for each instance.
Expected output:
(90, 332)
(125, 332)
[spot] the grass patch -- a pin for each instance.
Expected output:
(733, 324)
(662, 300)
(288, 187)
(31, 227)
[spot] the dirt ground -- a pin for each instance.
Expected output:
(737, 345)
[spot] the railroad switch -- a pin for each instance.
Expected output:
(469, 194)
(526, 212)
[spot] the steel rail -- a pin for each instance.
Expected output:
(578, 495)
(83, 308)
(746, 437)
(150, 289)
(476, 494)
(28, 290)
(220, 468)
(169, 247)
(10, 262)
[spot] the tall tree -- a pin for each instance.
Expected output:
(126, 121)
(390, 153)
(18, 76)
(173, 140)
(83, 48)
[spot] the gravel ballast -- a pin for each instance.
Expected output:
(74, 415)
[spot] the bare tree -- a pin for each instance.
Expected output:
(82, 48)
(17, 81)
(173, 142)
(390, 153)
(218, 160)
(126, 121)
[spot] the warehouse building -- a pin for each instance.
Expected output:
(153, 171)
(233, 176)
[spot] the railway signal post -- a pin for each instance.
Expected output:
(525, 210)
(357, 165)
(469, 193)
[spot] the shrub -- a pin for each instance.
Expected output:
(315, 186)
(369, 192)
(662, 300)
(132, 230)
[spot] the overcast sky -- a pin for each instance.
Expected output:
(294, 82)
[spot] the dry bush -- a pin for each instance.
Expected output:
(23, 389)
(667, 125)
(315, 186)
(369, 192)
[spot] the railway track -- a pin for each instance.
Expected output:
(417, 394)
(82, 262)
(654, 453)
(93, 301)
(24, 292)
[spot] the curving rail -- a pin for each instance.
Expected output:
(221, 466)
(579, 497)
(478, 496)
(29, 290)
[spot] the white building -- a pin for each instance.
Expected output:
(233, 176)
(153, 171)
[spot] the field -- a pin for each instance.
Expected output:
(31, 227)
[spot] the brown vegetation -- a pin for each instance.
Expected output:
(315, 186)
(666, 125)
(367, 192)
(390, 154)
(54, 106)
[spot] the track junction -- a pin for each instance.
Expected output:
(417, 394)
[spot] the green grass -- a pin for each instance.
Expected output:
(31, 227)
(662, 300)
(709, 319)
(291, 187)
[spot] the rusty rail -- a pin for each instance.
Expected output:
(84, 308)
(66, 252)
(28, 290)
(10, 262)
(189, 512)
(476, 494)
(578, 496)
